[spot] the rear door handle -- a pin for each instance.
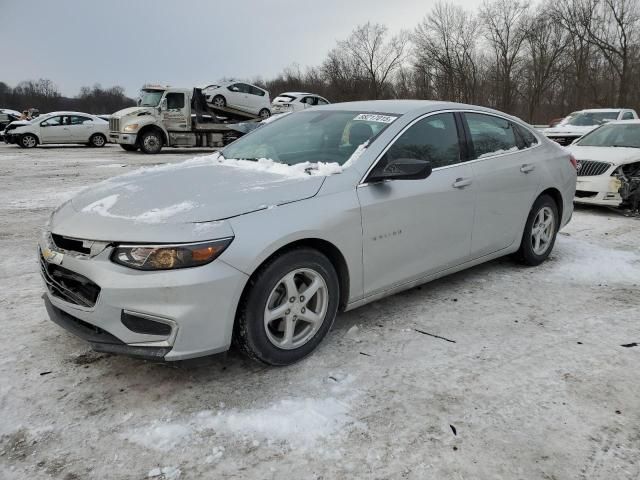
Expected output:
(527, 167)
(461, 183)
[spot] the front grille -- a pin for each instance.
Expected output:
(67, 285)
(70, 244)
(114, 124)
(589, 168)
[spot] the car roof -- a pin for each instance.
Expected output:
(66, 113)
(603, 110)
(298, 93)
(635, 121)
(402, 107)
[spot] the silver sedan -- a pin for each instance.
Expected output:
(317, 212)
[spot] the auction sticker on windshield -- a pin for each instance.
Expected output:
(373, 117)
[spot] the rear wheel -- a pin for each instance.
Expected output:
(28, 141)
(151, 142)
(97, 140)
(129, 148)
(290, 306)
(540, 232)
(264, 113)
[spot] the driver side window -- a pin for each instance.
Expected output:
(433, 139)
(175, 101)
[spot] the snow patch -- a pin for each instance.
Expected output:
(165, 473)
(498, 152)
(298, 170)
(587, 263)
(159, 436)
(103, 206)
(299, 422)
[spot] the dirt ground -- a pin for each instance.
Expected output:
(498, 372)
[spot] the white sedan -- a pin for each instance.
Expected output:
(296, 101)
(239, 96)
(577, 124)
(609, 165)
(58, 128)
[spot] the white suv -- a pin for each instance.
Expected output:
(577, 124)
(296, 101)
(240, 96)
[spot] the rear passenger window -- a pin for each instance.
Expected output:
(433, 139)
(527, 138)
(491, 135)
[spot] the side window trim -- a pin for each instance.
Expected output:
(363, 180)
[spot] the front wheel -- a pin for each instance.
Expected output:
(540, 232)
(219, 101)
(28, 141)
(289, 308)
(151, 142)
(97, 140)
(264, 113)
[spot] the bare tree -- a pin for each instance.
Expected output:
(545, 43)
(445, 45)
(376, 56)
(505, 24)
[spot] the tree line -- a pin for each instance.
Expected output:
(537, 61)
(44, 95)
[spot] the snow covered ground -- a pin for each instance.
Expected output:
(499, 372)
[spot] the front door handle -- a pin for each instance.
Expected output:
(461, 183)
(527, 167)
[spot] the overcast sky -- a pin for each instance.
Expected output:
(182, 43)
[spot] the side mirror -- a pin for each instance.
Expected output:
(163, 104)
(402, 169)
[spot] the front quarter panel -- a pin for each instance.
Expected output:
(332, 216)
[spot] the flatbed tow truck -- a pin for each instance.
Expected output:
(176, 117)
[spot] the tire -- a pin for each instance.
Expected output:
(97, 140)
(129, 148)
(537, 240)
(263, 337)
(28, 141)
(219, 101)
(151, 142)
(264, 113)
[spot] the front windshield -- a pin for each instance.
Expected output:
(616, 135)
(588, 119)
(150, 98)
(312, 136)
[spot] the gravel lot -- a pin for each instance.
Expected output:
(499, 372)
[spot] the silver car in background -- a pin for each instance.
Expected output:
(176, 261)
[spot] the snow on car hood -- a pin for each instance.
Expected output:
(615, 155)
(205, 189)
(568, 130)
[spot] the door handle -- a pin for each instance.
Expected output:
(461, 183)
(527, 167)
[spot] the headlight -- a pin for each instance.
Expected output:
(169, 257)
(132, 127)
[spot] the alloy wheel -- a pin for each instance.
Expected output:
(542, 231)
(296, 308)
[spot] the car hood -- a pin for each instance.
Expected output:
(569, 130)
(133, 111)
(615, 155)
(158, 202)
